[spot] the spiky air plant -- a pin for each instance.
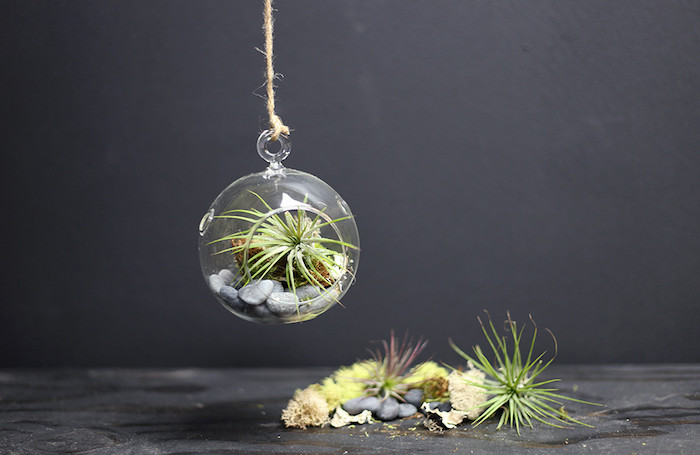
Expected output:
(391, 368)
(287, 247)
(512, 381)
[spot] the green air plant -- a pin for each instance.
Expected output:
(391, 372)
(287, 246)
(512, 381)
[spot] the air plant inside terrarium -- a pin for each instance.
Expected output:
(286, 247)
(284, 264)
(512, 381)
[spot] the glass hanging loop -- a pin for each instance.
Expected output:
(275, 159)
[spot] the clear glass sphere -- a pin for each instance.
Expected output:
(278, 246)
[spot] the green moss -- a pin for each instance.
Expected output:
(427, 370)
(432, 378)
(345, 383)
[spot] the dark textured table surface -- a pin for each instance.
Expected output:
(649, 410)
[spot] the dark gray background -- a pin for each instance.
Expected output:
(537, 156)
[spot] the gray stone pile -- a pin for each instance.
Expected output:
(390, 408)
(269, 299)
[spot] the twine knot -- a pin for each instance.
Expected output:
(276, 125)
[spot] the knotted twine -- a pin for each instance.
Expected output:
(276, 125)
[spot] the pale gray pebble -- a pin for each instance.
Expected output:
(406, 409)
(256, 293)
(389, 409)
(414, 397)
(227, 276)
(277, 286)
(230, 297)
(282, 303)
(357, 405)
(261, 312)
(228, 292)
(316, 305)
(307, 292)
(215, 282)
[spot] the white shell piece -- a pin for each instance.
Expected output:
(341, 417)
(450, 419)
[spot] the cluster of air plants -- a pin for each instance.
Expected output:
(512, 380)
(506, 385)
(286, 247)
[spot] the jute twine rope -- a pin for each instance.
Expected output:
(276, 125)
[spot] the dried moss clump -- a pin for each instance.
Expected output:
(308, 408)
(464, 395)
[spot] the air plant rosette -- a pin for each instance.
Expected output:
(510, 383)
(279, 248)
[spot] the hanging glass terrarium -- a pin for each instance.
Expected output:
(278, 246)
